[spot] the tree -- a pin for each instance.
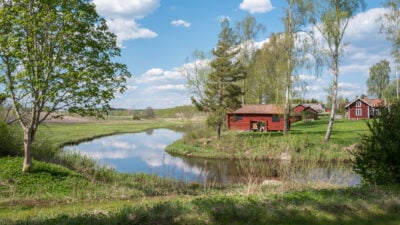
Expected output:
(390, 92)
(378, 159)
(266, 68)
(294, 20)
(222, 92)
(56, 55)
(378, 78)
(149, 113)
(391, 27)
(196, 71)
(331, 18)
(246, 31)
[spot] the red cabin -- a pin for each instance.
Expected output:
(257, 118)
(306, 111)
(363, 108)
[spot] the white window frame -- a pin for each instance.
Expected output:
(358, 112)
(358, 104)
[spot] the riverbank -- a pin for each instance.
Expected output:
(304, 142)
(56, 195)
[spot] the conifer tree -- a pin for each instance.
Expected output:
(222, 92)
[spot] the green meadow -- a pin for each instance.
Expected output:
(72, 189)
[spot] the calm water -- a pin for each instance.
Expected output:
(144, 153)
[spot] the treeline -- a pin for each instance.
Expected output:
(185, 111)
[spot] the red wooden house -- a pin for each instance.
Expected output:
(363, 108)
(305, 111)
(257, 118)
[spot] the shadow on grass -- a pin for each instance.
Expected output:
(345, 206)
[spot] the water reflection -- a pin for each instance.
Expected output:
(144, 152)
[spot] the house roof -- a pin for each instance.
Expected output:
(316, 106)
(373, 102)
(260, 109)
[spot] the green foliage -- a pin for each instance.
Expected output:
(57, 55)
(378, 78)
(378, 160)
(45, 178)
(9, 146)
(310, 207)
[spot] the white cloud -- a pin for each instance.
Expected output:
(169, 87)
(121, 17)
(159, 75)
(128, 30)
(180, 23)
(126, 8)
(256, 6)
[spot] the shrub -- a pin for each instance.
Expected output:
(378, 159)
(8, 143)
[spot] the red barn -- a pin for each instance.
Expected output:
(305, 110)
(257, 118)
(363, 108)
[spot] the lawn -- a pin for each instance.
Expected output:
(304, 142)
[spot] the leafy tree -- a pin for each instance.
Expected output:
(378, 78)
(56, 55)
(390, 91)
(378, 159)
(222, 92)
(149, 113)
(331, 18)
(266, 67)
(247, 30)
(391, 27)
(196, 71)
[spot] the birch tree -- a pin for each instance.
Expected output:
(247, 31)
(391, 27)
(331, 19)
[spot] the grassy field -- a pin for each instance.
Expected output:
(66, 133)
(86, 194)
(304, 142)
(56, 195)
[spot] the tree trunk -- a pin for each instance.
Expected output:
(334, 98)
(219, 131)
(244, 91)
(286, 113)
(28, 139)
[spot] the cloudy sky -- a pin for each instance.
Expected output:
(157, 36)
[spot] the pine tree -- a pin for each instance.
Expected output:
(222, 92)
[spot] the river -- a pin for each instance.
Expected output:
(145, 153)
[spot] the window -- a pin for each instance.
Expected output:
(358, 112)
(275, 118)
(238, 116)
(358, 104)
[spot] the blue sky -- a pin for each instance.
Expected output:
(157, 36)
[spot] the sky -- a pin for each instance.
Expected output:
(158, 36)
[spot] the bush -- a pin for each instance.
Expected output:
(378, 159)
(8, 142)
